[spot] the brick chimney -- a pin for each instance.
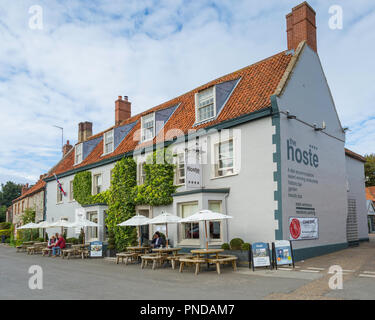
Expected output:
(301, 26)
(122, 109)
(84, 131)
(24, 189)
(66, 148)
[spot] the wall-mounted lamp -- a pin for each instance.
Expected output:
(323, 127)
(290, 116)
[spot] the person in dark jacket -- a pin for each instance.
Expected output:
(157, 240)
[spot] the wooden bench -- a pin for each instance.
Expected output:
(223, 259)
(46, 251)
(174, 259)
(31, 249)
(192, 261)
(151, 257)
(69, 252)
(126, 256)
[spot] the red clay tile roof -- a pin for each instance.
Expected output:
(370, 193)
(34, 189)
(354, 155)
(258, 82)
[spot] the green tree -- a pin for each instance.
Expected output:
(9, 191)
(370, 170)
(3, 210)
(28, 216)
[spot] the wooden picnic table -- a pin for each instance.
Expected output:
(200, 252)
(165, 251)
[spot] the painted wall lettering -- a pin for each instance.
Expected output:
(307, 157)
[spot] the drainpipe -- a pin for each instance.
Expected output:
(226, 211)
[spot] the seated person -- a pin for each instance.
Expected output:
(60, 244)
(157, 241)
(51, 242)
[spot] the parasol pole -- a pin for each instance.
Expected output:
(166, 232)
(205, 230)
(139, 235)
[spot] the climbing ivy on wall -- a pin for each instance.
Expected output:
(124, 193)
(82, 187)
(159, 183)
(121, 205)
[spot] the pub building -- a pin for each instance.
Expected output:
(270, 151)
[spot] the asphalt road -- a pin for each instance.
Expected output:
(103, 279)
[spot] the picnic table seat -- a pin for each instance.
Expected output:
(155, 258)
(126, 256)
(191, 261)
(223, 259)
(69, 252)
(174, 259)
(46, 251)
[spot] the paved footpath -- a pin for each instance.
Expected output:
(103, 279)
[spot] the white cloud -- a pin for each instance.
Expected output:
(89, 52)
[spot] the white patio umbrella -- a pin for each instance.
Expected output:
(44, 225)
(82, 223)
(30, 225)
(205, 215)
(136, 221)
(60, 223)
(165, 218)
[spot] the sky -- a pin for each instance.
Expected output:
(87, 53)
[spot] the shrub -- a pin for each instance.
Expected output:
(5, 233)
(5, 225)
(245, 246)
(236, 243)
(39, 240)
(72, 240)
(225, 246)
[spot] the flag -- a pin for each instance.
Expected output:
(59, 185)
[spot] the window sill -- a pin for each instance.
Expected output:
(106, 154)
(62, 202)
(189, 243)
(228, 175)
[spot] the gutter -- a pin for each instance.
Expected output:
(265, 112)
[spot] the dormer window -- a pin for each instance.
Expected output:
(205, 105)
(108, 142)
(78, 154)
(148, 127)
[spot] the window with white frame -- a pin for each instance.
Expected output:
(215, 226)
(108, 142)
(92, 232)
(148, 127)
(141, 173)
(97, 185)
(224, 158)
(205, 105)
(78, 154)
(71, 192)
(189, 231)
(60, 194)
(180, 168)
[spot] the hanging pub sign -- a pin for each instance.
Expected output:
(260, 255)
(282, 253)
(193, 170)
(303, 228)
(96, 249)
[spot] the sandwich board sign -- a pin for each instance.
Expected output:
(260, 255)
(96, 249)
(282, 253)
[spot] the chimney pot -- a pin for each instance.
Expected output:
(66, 148)
(84, 131)
(122, 110)
(301, 26)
